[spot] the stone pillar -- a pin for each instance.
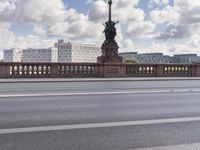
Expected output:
(97, 70)
(54, 70)
(196, 70)
(160, 71)
(111, 70)
(4, 70)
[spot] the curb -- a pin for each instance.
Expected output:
(92, 80)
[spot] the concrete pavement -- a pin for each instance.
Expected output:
(115, 120)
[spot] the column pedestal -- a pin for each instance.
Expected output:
(110, 62)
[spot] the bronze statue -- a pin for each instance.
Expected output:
(110, 30)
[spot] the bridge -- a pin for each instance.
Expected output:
(100, 106)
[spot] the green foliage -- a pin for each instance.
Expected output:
(131, 60)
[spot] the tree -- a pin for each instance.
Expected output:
(131, 60)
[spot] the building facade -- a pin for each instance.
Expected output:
(62, 52)
(151, 58)
(147, 58)
(186, 58)
(40, 55)
(159, 58)
(12, 55)
(75, 52)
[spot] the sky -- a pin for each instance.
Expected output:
(166, 26)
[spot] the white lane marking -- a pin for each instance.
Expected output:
(190, 146)
(100, 93)
(97, 125)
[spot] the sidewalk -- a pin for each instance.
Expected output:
(23, 80)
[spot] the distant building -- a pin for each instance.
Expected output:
(159, 58)
(186, 58)
(151, 58)
(75, 52)
(147, 58)
(40, 55)
(12, 55)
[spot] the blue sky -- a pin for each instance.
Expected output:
(168, 26)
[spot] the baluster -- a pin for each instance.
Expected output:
(49, 70)
(30, 70)
(20, 70)
(11, 70)
(67, 69)
(25, 70)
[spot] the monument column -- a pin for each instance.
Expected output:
(110, 61)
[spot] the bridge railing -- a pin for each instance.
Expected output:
(81, 70)
(141, 70)
(47, 70)
(161, 70)
(29, 70)
(184, 70)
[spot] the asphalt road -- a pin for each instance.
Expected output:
(102, 115)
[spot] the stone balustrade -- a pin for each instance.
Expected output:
(86, 70)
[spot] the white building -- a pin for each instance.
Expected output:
(74, 52)
(62, 52)
(12, 55)
(40, 55)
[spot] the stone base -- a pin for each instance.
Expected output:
(110, 62)
(109, 53)
(4, 70)
(111, 70)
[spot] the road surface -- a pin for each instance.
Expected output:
(103, 115)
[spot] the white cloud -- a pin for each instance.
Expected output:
(7, 37)
(31, 11)
(7, 9)
(184, 24)
(32, 41)
(39, 29)
(189, 11)
(127, 45)
(140, 29)
(176, 31)
(40, 11)
(123, 11)
(167, 14)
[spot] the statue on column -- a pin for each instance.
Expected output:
(110, 47)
